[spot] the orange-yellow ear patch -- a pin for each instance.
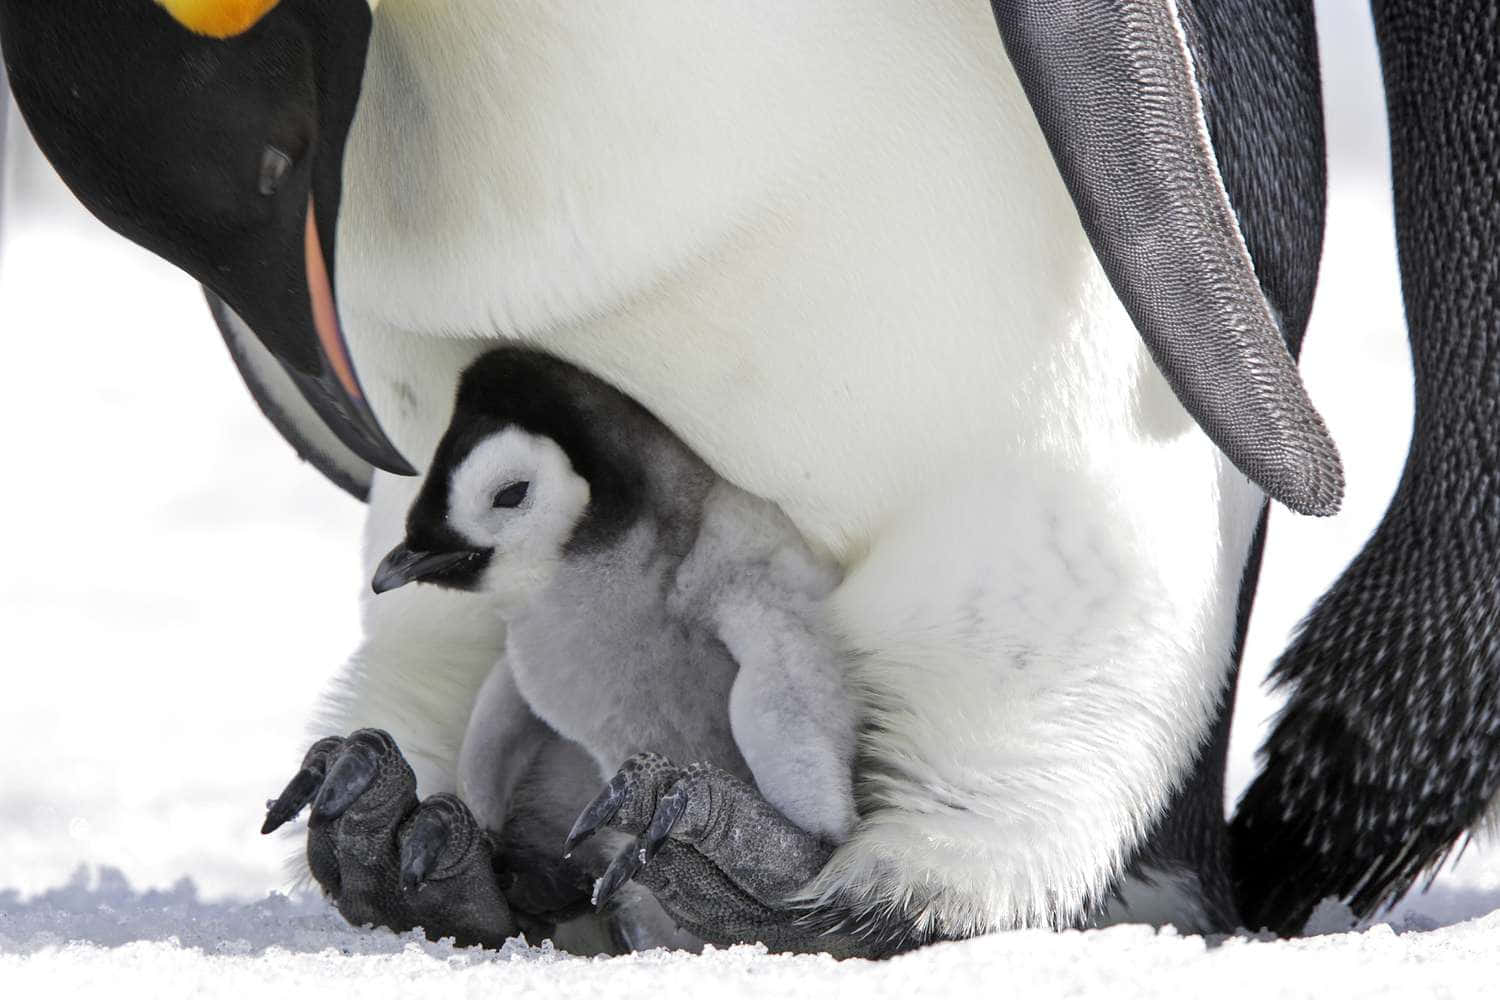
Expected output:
(218, 18)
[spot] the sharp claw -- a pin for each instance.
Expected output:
(620, 871)
(419, 853)
(596, 814)
(668, 812)
(298, 792)
(352, 772)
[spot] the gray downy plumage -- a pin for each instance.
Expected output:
(650, 606)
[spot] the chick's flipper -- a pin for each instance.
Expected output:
(385, 858)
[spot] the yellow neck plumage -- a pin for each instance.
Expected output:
(218, 18)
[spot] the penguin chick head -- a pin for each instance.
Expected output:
(509, 506)
(541, 462)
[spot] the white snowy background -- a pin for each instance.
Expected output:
(175, 589)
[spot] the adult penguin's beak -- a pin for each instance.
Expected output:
(333, 388)
(212, 132)
(305, 333)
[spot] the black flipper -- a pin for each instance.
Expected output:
(1114, 88)
(4, 124)
(1389, 748)
(1257, 67)
(286, 408)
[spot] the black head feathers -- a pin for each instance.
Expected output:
(607, 436)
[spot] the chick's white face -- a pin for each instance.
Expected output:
(518, 494)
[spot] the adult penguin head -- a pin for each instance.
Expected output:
(212, 132)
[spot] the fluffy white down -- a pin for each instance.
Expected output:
(826, 243)
(1033, 663)
(526, 541)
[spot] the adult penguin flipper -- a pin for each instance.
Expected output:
(286, 407)
(4, 153)
(1114, 88)
(1388, 750)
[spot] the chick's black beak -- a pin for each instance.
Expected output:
(403, 565)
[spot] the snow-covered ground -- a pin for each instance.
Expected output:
(168, 945)
(175, 589)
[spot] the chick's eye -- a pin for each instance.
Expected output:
(274, 165)
(512, 495)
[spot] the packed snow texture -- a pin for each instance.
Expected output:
(77, 940)
(176, 589)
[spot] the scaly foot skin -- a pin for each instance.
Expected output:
(383, 857)
(722, 861)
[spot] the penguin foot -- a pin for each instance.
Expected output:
(385, 858)
(720, 859)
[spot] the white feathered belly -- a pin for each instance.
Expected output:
(844, 290)
(826, 243)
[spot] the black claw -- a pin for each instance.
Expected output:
(352, 772)
(424, 842)
(298, 792)
(620, 871)
(668, 812)
(596, 814)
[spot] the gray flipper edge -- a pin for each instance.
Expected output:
(1114, 88)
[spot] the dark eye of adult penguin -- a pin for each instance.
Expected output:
(212, 133)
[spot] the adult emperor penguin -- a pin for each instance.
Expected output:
(1002, 323)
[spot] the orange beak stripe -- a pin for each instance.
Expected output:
(325, 315)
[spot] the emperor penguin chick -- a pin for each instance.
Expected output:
(649, 604)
